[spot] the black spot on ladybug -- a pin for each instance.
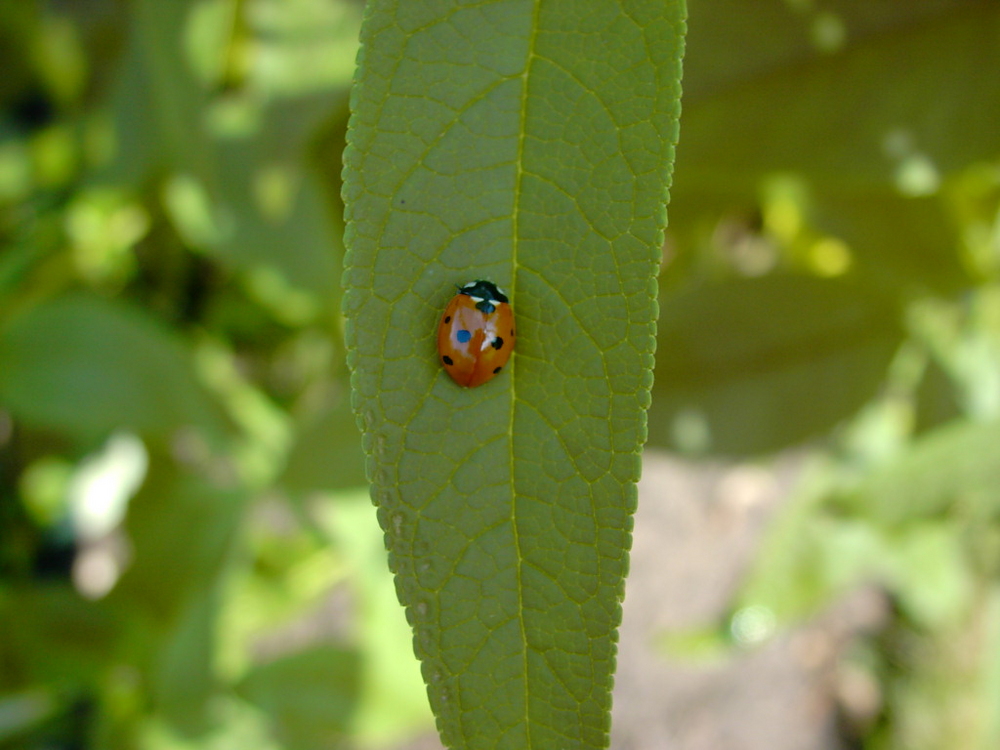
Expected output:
(497, 343)
(447, 360)
(447, 320)
(511, 331)
(498, 369)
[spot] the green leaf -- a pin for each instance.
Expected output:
(752, 365)
(392, 705)
(239, 193)
(918, 524)
(53, 636)
(727, 57)
(952, 467)
(990, 667)
(850, 113)
(21, 712)
(790, 93)
(181, 528)
(928, 568)
(529, 144)
(85, 366)
(310, 695)
(327, 452)
(183, 681)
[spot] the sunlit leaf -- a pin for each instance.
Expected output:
(243, 197)
(529, 144)
(952, 467)
(392, 702)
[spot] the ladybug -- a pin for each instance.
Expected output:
(476, 334)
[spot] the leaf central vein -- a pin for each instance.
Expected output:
(519, 172)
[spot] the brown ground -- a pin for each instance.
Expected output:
(696, 532)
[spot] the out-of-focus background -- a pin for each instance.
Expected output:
(188, 557)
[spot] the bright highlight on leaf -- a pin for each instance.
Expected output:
(529, 144)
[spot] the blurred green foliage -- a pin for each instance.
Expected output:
(186, 557)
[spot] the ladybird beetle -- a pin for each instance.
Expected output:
(476, 335)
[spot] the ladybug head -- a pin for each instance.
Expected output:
(485, 294)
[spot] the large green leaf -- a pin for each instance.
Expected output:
(846, 114)
(753, 365)
(728, 56)
(855, 98)
(527, 143)
(85, 366)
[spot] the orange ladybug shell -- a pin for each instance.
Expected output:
(476, 334)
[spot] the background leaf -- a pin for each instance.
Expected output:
(529, 145)
(310, 695)
(86, 366)
(869, 105)
(750, 365)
